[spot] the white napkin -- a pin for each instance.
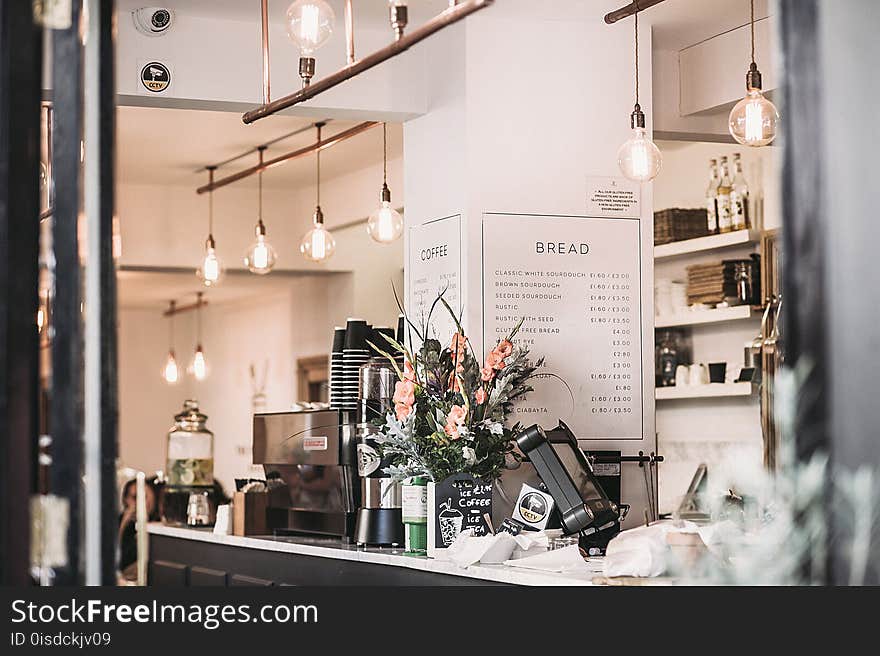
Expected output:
(642, 551)
(223, 523)
(494, 549)
(567, 559)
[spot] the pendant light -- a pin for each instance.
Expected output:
(260, 257)
(318, 244)
(639, 158)
(385, 225)
(210, 272)
(171, 372)
(199, 365)
(754, 119)
(310, 24)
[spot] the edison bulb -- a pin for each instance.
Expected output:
(260, 257)
(639, 158)
(385, 225)
(211, 271)
(310, 24)
(170, 372)
(754, 120)
(318, 244)
(199, 366)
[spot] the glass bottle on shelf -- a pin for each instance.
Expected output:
(724, 207)
(667, 360)
(189, 462)
(739, 196)
(712, 198)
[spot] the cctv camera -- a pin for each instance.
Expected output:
(153, 21)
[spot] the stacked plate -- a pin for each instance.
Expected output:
(355, 353)
(336, 394)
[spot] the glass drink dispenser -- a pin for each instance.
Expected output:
(189, 462)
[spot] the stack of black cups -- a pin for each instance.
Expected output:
(381, 343)
(336, 394)
(356, 352)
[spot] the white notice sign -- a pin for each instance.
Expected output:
(613, 197)
(577, 283)
(434, 266)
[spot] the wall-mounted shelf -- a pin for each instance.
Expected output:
(709, 243)
(696, 317)
(712, 390)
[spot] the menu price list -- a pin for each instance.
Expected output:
(576, 285)
(434, 268)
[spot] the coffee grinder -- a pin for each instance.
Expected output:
(380, 517)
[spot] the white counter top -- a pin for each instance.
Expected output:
(327, 548)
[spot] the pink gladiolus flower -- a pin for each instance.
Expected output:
(408, 372)
(402, 410)
(405, 392)
(458, 345)
(494, 360)
(481, 396)
(451, 430)
(487, 374)
(504, 348)
(456, 415)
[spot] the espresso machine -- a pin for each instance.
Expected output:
(380, 517)
(310, 460)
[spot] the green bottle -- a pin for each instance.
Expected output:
(415, 515)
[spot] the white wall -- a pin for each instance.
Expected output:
(710, 430)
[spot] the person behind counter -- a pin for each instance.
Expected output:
(127, 533)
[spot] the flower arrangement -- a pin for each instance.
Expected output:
(449, 409)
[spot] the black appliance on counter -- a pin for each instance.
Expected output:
(314, 454)
(565, 472)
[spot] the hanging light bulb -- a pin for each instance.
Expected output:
(199, 365)
(210, 271)
(639, 158)
(385, 225)
(318, 244)
(171, 372)
(260, 257)
(754, 120)
(310, 24)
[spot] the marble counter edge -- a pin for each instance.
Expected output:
(496, 573)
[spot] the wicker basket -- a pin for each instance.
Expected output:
(677, 224)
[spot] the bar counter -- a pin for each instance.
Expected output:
(197, 557)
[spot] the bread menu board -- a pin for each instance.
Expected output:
(435, 266)
(577, 283)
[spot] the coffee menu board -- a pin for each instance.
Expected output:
(435, 266)
(577, 283)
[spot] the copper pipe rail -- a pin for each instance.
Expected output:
(630, 10)
(175, 309)
(265, 35)
(444, 19)
(322, 144)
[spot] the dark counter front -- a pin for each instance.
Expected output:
(188, 557)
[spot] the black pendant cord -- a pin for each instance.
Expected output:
(636, 22)
(260, 189)
(171, 307)
(384, 154)
(199, 321)
(752, 24)
(318, 169)
(211, 205)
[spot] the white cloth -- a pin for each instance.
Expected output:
(494, 549)
(565, 560)
(642, 551)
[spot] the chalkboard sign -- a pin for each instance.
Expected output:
(460, 502)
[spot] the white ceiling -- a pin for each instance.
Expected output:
(167, 147)
(678, 24)
(153, 290)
